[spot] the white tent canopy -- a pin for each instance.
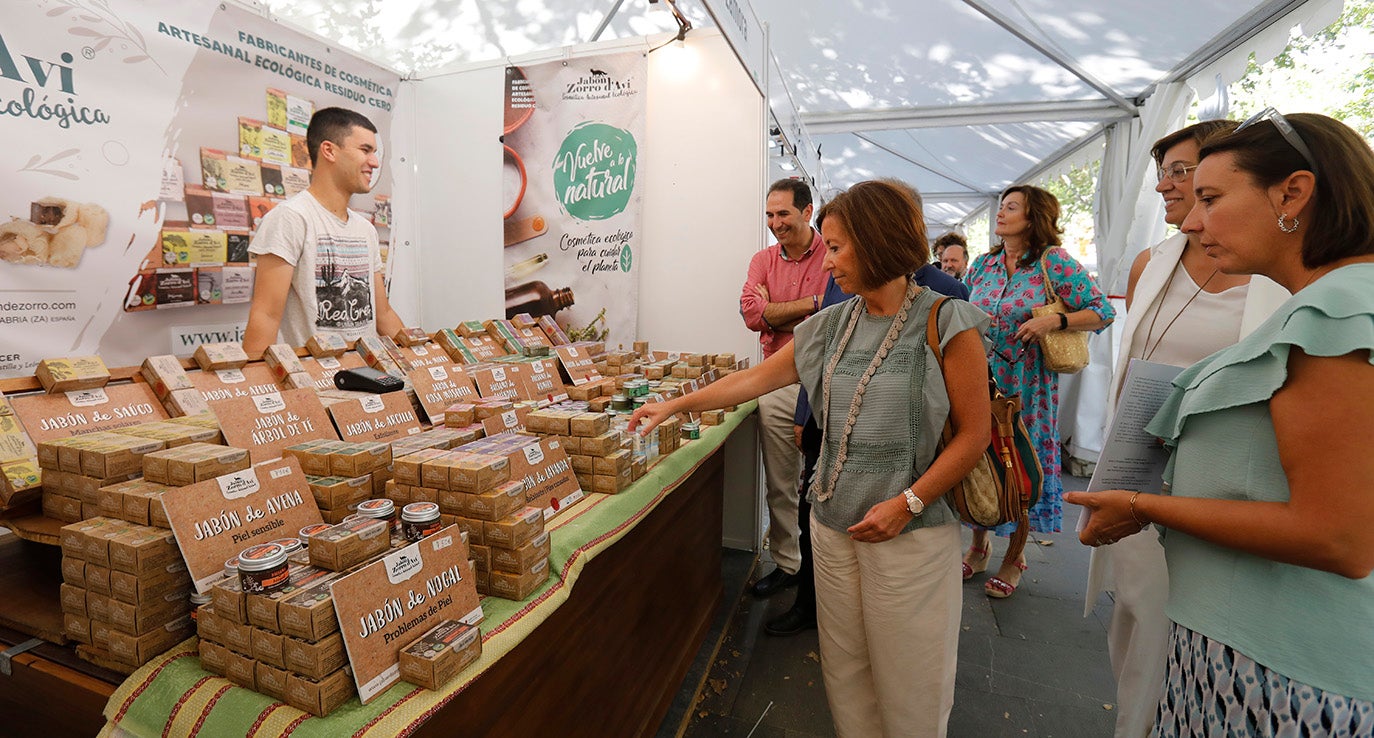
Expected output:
(961, 98)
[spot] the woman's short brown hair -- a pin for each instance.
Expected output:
(1042, 210)
(1198, 133)
(887, 229)
(1342, 205)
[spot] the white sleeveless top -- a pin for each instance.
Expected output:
(1183, 335)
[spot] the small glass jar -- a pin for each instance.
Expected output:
(310, 530)
(621, 404)
(292, 545)
(198, 601)
(263, 568)
(419, 519)
(379, 508)
(231, 567)
(691, 430)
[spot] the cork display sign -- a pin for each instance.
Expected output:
(215, 519)
(222, 384)
(511, 421)
(578, 363)
(384, 417)
(265, 424)
(323, 368)
(78, 412)
(441, 385)
(391, 602)
(544, 381)
(506, 381)
(550, 483)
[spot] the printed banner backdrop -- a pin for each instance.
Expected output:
(144, 141)
(573, 131)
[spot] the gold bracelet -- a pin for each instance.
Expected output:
(1136, 518)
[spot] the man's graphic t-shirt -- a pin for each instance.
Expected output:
(336, 262)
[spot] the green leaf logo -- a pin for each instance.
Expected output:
(594, 171)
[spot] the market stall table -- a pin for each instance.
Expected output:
(599, 650)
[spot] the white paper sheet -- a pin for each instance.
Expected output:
(1131, 458)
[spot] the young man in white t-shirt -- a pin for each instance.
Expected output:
(319, 264)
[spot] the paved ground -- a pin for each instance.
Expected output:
(1029, 666)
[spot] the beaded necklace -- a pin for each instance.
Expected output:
(828, 488)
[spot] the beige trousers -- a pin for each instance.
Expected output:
(782, 473)
(1138, 637)
(889, 630)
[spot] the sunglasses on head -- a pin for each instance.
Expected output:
(1286, 130)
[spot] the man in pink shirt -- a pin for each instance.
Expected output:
(785, 285)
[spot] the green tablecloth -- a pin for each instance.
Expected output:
(173, 695)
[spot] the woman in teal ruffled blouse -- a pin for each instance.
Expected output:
(1268, 526)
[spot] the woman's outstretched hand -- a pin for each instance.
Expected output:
(650, 414)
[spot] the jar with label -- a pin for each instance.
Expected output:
(198, 601)
(379, 508)
(621, 404)
(263, 568)
(292, 545)
(310, 530)
(419, 519)
(691, 430)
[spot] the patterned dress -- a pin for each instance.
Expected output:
(1019, 368)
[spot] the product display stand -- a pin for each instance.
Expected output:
(600, 650)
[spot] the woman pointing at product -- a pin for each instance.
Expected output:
(885, 539)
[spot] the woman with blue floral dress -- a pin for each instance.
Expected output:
(1006, 283)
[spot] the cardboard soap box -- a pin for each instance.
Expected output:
(319, 697)
(349, 543)
(165, 374)
(281, 360)
(72, 373)
(434, 658)
(214, 356)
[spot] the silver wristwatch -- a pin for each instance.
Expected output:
(913, 503)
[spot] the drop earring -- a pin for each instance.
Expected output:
(1285, 228)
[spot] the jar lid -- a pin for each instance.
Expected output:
(692, 425)
(231, 567)
(618, 398)
(291, 545)
(313, 529)
(200, 599)
(262, 557)
(419, 512)
(379, 507)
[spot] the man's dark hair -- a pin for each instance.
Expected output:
(801, 194)
(950, 239)
(333, 124)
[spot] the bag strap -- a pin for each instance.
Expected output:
(933, 340)
(1051, 295)
(933, 332)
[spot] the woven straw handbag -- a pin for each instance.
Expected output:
(1065, 351)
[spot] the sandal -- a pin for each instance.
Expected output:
(980, 564)
(1004, 584)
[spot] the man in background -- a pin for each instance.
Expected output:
(785, 284)
(952, 252)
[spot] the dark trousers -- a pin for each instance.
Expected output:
(811, 453)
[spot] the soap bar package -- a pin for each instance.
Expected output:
(434, 658)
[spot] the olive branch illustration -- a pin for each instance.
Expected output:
(97, 12)
(40, 165)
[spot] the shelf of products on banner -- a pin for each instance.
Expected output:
(88, 453)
